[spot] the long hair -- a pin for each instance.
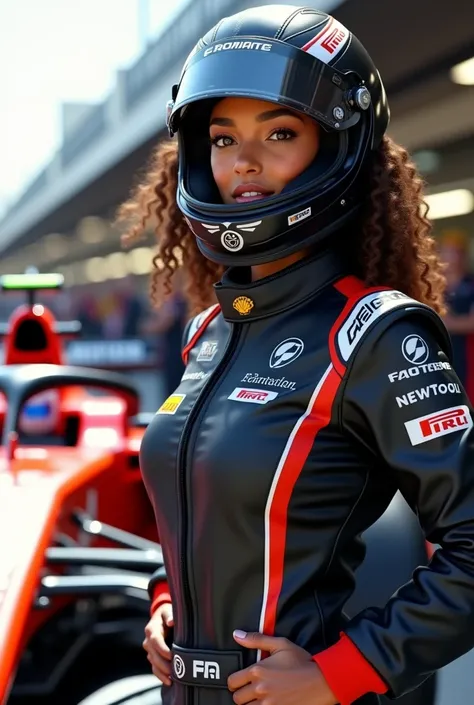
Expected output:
(394, 248)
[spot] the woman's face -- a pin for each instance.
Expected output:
(258, 148)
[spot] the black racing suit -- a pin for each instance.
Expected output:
(306, 402)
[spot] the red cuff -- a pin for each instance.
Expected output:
(161, 594)
(348, 674)
(430, 549)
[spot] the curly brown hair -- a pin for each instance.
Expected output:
(395, 247)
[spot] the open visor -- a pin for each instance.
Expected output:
(268, 70)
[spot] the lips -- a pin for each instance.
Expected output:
(244, 193)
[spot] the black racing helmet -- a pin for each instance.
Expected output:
(303, 59)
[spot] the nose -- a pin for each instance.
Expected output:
(247, 161)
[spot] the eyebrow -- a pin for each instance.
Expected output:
(263, 117)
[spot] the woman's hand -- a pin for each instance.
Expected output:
(287, 676)
(158, 652)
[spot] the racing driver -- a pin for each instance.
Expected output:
(318, 385)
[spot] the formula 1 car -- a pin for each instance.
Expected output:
(77, 534)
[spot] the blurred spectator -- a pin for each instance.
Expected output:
(115, 312)
(89, 317)
(168, 323)
(460, 301)
(61, 305)
(111, 316)
(131, 306)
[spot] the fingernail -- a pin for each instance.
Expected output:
(240, 634)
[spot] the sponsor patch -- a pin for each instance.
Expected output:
(207, 351)
(441, 423)
(255, 378)
(231, 239)
(415, 350)
(208, 670)
(226, 46)
(243, 305)
(172, 404)
(329, 42)
(431, 390)
(415, 371)
(286, 352)
(292, 219)
(364, 314)
(195, 375)
(252, 396)
(178, 666)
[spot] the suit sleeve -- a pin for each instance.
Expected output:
(404, 403)
(158, 589)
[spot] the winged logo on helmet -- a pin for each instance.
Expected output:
(231, 239)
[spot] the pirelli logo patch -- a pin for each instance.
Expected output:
(328, 43)
(364, 314)
(425, 428)
(252, 396)
(172, 404)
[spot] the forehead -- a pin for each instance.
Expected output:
(242, 106)
(232, 111)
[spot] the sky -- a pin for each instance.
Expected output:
(54, 51)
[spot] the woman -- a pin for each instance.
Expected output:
(318, 386)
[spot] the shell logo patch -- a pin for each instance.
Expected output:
(172, 404)
(243, 305)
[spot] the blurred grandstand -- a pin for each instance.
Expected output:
(62, 221)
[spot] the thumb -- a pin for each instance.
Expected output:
(168, 616)
(255, 640)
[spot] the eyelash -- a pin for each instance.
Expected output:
(290, 134)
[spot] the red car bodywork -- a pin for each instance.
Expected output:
(41, 486)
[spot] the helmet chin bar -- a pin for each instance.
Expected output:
(317, 240)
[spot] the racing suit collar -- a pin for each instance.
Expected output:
(242, 300)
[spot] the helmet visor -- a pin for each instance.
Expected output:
(267, 69)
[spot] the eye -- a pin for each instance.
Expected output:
(281, 134)
(221, 141)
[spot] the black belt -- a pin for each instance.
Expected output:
(198, 667)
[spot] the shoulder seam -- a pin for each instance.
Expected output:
(198, 325)
(355, 299)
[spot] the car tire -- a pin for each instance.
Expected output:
(134, 690)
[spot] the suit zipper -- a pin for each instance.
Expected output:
(182, 474)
